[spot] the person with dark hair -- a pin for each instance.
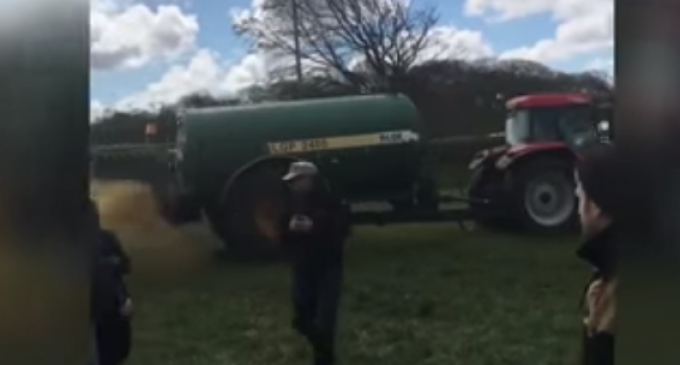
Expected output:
(315, 227)
(596, 176)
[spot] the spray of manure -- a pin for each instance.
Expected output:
(156, 248)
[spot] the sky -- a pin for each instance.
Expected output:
(149, 52)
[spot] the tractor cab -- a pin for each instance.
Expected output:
(551, 119)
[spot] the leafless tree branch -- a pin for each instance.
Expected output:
(387, 36)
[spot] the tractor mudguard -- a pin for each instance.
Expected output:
(522, 152)
(486, 157)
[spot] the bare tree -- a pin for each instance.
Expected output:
(603, 78)
(385, 36)
(205, 100)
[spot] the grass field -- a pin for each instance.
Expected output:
(414, 294)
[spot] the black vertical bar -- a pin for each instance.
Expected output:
(44, 121)
(647, 117)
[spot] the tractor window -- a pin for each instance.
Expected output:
(544, 125)
(564, 124)
(518, 128)
(576, 126)
(548, 123)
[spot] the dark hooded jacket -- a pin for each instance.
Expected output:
(331, 227)
(111, 251)
(108, 291)
(104, 289)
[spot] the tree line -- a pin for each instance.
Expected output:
(352, 47)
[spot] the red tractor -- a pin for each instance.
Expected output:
(528, 182)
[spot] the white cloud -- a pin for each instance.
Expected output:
(125, 34)
(601, 64)
(97, 109)
(207, 72)
(448, 42)
(505, 10)
(583, 26)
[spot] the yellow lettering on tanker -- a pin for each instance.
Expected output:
(314, 144)
(307, 145)
(337, 143)
(278, 148)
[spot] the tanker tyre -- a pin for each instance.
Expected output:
(175, 208)
(251, 211)
(543, 192)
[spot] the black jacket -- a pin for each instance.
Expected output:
(104, 293)
(331, 227)
(599, 252)
(111, 248)
(108, 288)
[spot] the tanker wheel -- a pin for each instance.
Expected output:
(252, 212)
(544, 195)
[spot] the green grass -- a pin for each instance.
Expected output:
(415, 294)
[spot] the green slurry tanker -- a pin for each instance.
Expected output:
(225, 165)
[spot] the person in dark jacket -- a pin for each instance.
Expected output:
(315, 227)
(111, 303)
(103, 298)
(595, 174)
(114, 328)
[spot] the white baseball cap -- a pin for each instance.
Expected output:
(299, 169)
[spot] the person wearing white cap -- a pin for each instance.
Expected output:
(315, 227)
(301, 169)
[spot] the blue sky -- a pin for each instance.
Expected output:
(555, 32)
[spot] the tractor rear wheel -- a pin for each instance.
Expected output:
(544, 196)
(251, 211)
